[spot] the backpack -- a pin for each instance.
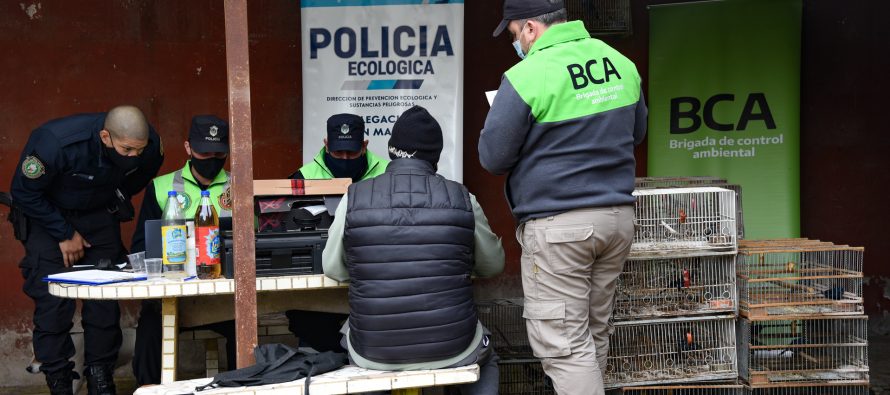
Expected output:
(278, 363)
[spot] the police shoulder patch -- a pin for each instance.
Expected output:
(185, 201)
(32, 167)
(225, 199)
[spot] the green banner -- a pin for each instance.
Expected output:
(724, 100)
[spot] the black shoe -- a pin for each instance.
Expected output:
(100, 380)
(59, 383)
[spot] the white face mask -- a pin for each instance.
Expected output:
(518, 48)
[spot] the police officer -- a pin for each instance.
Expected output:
(207, 148)
(345, 153)
(73, 184)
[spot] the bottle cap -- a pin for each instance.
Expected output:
(171, 193)
(205, 193)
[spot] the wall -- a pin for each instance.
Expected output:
(168, 58)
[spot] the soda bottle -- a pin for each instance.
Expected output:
(207, 246)
(174, 234)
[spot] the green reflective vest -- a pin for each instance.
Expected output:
(189, 193)
(318, 170)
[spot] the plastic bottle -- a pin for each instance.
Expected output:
(174, 235)
(207, 242)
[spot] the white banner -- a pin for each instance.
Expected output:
(378, 58)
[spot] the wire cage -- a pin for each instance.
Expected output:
(676, 182)
(676, 287)
(523, 377)
(799, 277)
(809, 389)
(677, 222)
(503, 318)
(713, 389)
(601, 17)
(675, 350)
(794, 349)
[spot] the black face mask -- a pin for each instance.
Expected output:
(123, 162)
(347, 168)
(208, 168)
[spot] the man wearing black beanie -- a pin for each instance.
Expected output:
(408, 242)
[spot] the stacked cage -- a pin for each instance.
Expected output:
(801, 329)
(520, 373)
(676, 299)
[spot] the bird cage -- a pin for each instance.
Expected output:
(809, 389)
(676, 182)
(804, 277)
(794, 349)
(523, 377)
(677, 350)
(503, 318)
(602, 17)
(713, 389)
(677, 222)
(676, 287)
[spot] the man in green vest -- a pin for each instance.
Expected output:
(567, 144)
(345, 153)
(208, 148)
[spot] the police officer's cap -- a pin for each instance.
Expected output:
(209, 133)
(346, 132)
(524, 9)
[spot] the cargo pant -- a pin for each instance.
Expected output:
(570, 267)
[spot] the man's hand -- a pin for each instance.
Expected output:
(72, 250)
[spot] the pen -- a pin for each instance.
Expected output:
(189, 278)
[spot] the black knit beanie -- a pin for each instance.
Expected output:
(416, 134)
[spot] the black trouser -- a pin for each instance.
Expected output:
(52, 315)
(147, 350)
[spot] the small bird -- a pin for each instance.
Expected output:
(687, 342)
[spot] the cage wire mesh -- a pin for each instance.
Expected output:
(503, 318)
(676, 222)
(676, 182)
(676, 287)
(808, 389)
(784, 277)
(671, 351)
(715, 389)
(601, 17)
(523, 377)
(803, 349)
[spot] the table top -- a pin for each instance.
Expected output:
(346, 380)
(163, 288)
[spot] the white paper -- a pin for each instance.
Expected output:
(490, 96)
(94, 276)
(315, 210)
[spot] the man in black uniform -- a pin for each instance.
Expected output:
(73, 184)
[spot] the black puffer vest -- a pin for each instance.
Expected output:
(409, 251)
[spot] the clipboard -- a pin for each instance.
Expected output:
(94, 277)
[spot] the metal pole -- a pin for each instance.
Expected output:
(242, 179)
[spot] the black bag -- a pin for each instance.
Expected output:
(278, 363)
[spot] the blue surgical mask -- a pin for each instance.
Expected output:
(518, 48)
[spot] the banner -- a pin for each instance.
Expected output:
(724, 100)
(378, 58)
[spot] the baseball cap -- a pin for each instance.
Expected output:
(209, 133)
(346, 132)
(524, 9)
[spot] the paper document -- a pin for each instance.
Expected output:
(315, 210)
(94, 277)
(490, 96)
